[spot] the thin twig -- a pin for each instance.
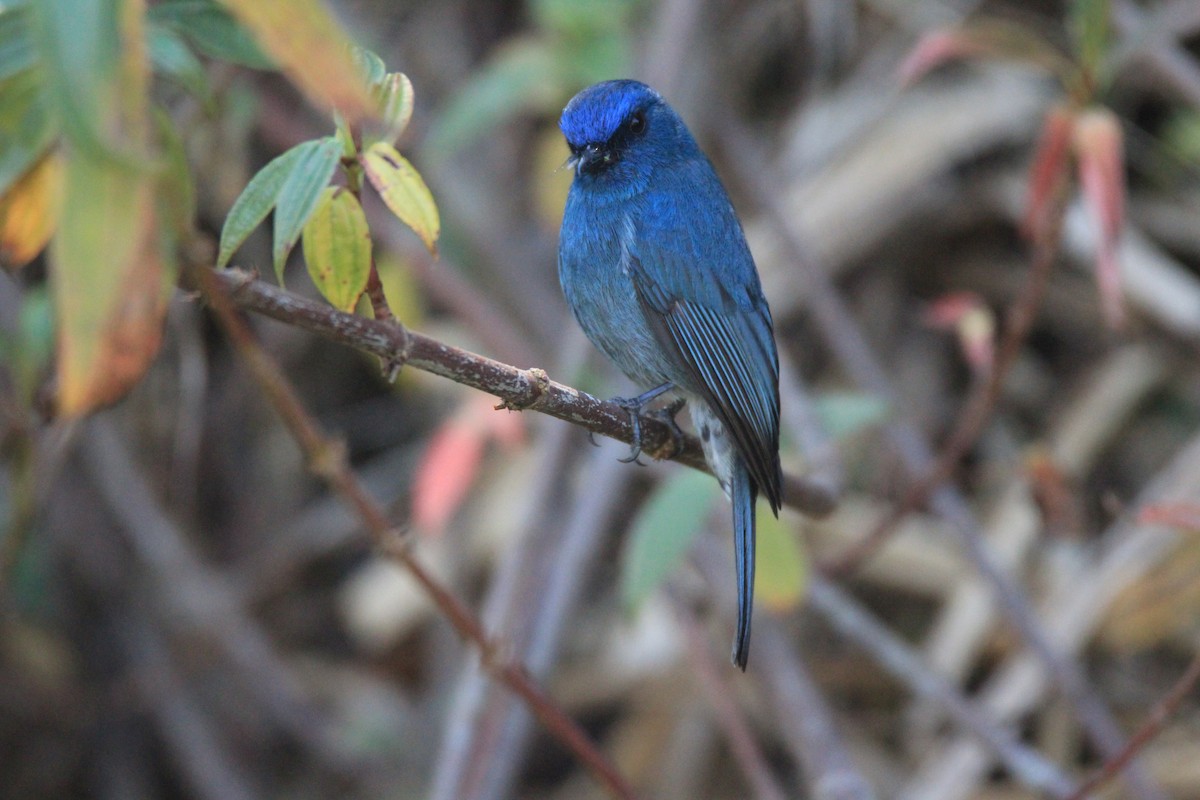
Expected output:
(856, 624)
(327, 459)
(714, 684)
(1156, 720)
(804, 717)
(538, 617)
(977, 411)
(806, 720)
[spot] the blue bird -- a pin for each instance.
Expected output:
(655, 267)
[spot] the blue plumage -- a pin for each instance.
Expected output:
(654, 264)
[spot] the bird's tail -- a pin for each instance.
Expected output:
(743, 494)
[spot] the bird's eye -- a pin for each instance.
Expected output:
(637, 123)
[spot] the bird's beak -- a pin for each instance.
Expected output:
(583, 160)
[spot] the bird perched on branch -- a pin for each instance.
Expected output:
(655, 267)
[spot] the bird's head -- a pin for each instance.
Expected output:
(621, 129)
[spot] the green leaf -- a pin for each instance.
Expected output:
(17, 53)
(523, 76)
(1089, 25)
(171, 57)
(257, 200)
(337, 247)
(94, 74)
(580, 19)
(845, 413)
(35, 340)
(595, 58)
(781, 572)
(212, 30)
(369, 64)
(26, 126)
(403, 190)
(299, 195)
(1181, 135)
(395, 97)
(663, 531)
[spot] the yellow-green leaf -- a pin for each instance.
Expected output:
(782, 569)
(337, 248)
(110, 283)
(29, 212)
(311, 48)
(403, 190)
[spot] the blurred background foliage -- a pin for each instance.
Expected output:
(186, 612)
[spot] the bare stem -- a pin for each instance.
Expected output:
(518, 389)
(1156, 720)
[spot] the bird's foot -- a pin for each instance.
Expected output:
(666, 415)
(635, 406)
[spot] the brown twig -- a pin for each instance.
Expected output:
(327, 459)
(979, 406)
(729, 715)
(518, 389)
(1156, 720)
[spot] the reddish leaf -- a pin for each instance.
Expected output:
(1049, 170)
(1175, 515)
(451, 463)
(937, 48)
(966, 314)
(1099, 148)
(446, 472)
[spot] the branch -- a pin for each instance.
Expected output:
(518, 389)
(327, 459)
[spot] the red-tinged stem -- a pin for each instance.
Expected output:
(982, 401)
(1156, 720)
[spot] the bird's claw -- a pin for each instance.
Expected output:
(636, 405)
(666, 416)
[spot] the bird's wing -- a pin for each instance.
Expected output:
(697, 286)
